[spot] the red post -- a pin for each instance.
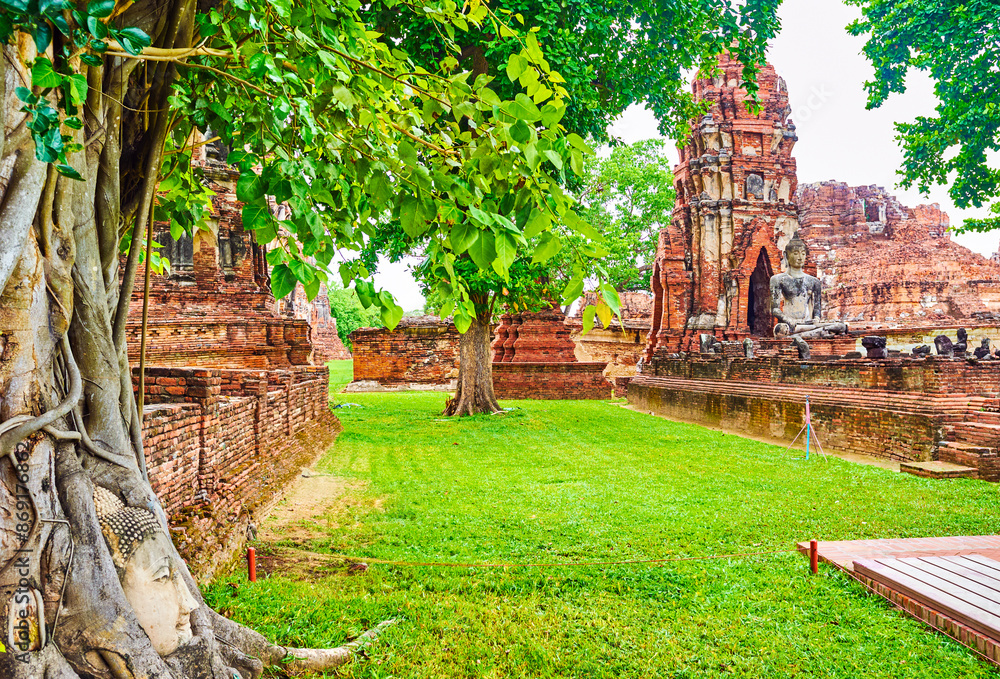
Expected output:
(814, 556)
(252, 563)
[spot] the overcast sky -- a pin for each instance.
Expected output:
(838, 138)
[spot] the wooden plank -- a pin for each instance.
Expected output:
(984, 596)
(963, 566)
(882, 571)
(987, 565)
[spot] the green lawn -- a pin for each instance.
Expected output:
(572, 481)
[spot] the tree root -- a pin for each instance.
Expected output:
(249, 643)
(318, 659)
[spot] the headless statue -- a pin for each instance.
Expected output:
(797, 301)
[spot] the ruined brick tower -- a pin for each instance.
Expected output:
(734, 213)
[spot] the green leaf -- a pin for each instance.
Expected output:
(610, 296)
(506, 250)
(249, 187)
(552, 114)
(573, 221)
(391, 315)
(547, 248)
(413, 217)
(43, 36)
(524, 108)
(588, 318)
(483, 250)
(538, 222)
(78, 89)
(462, 320)
(520, 132)
(573, 290)
(463, 234)
(133, 40)
(68, 171)
(97, 28)
(312, 288)
(101, 9)
(344, 96)
(554, 158)
(515, 66)
(282, 281)
(44, 75)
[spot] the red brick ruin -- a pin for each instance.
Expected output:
(235, 390)
(889, 270)
(533, 357)
(883, 262)
(734, 214)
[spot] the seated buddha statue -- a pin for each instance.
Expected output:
(797, 300)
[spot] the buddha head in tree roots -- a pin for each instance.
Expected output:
(143, 557)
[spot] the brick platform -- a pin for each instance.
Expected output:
(551, 381)
(221, 444)
(902, 409)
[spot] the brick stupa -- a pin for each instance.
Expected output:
(734, 214)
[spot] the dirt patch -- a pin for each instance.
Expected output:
(313, 504)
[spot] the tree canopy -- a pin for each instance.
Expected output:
(610, 54)
(957, 43)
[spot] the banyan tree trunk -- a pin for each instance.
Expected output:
(68, 420)
(475, 372)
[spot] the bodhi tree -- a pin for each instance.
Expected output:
(608, 55)
(322, 115)
(958, 45)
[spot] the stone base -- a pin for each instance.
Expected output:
(551, 381)
(362, 386)
(935, 469)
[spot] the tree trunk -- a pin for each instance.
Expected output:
(475, 372)
(76, 508)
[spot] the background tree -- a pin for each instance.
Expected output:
(957, 43)
(350, 313)
(611, 54)
(628, 196)
(608, 55)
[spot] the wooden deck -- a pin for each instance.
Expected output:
(965, 588)
(951, 583)
(844, 553)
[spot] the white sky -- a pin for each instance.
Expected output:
(838, 138)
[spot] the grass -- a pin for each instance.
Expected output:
(572, 481)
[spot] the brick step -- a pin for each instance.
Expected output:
(985, 417)
(953, 451)
(936, 469)
(974, 433)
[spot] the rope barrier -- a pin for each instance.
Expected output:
(442, 564)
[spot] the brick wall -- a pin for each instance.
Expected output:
(421, 350)
(221, 443)
(551, 381)
(898, 408)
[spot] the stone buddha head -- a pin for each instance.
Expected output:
(144, 558)
(796, 253)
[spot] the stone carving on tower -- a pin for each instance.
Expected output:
(733, 215)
